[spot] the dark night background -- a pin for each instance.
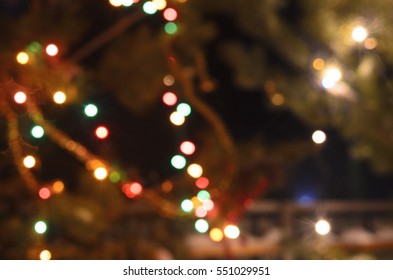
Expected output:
(246, 46)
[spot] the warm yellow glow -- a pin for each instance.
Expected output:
(196, 202)
(52, 50)
(116, 3)
(318, 64)
(322, 227)
(22, 58)
(359, 34)
(59, 97)
(100, 173)
(29, 161)
(231, 231)
(319, 137)
(370, 43)
(216, 234)
(177, 118)
(20, 97)
(45, 255)
(195, 170)
(160, 4)
(277, 99)
(58, 186)
(94, 164)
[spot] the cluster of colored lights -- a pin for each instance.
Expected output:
(200, 204)
(40, 227)
(30, 55)
(131, 190)
(331, 75)
(330, 79)
(26, 56)
(125, 3)
(151, 8)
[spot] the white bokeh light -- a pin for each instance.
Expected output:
(319, 137)
(322, 227)
(359, 34)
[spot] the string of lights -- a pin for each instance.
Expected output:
(328, 73)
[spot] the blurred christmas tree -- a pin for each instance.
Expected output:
(98, 165)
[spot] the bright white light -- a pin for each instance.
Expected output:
(100, 173)
(115, 3)
(20, 97)
(52, 50)
(331, 77)
(59, 97)
(319, 137)
(45, 255)
(322, 227)
(231, 231)
(359, 34)
(149, 8)
(201, 225)
(177, 118)
(178, 162)
(29, 161)
(40, 227)
(127, 3)
(91, 110)
(37, 131)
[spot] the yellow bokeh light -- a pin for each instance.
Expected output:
(216, 234)
(318, 64)
(196, 202)
(29, 161)
(177, 118)
(45, 255)
(59, 97)
(100, 173)
(58, 186)
(22, 58)
(277, 99)
(94, 164)
(160, 4)
(116, 3)
(195, 170)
